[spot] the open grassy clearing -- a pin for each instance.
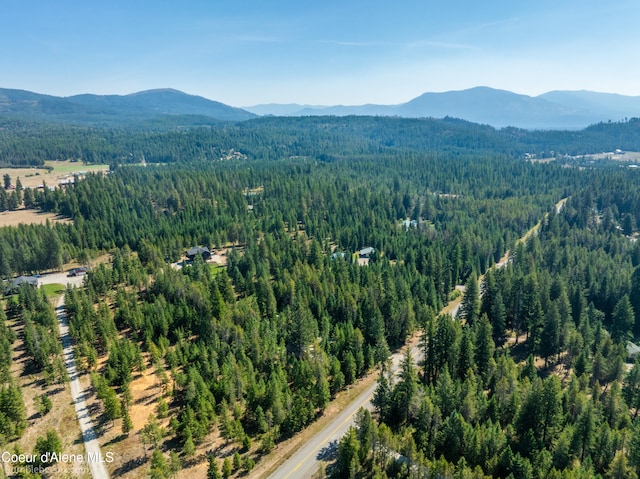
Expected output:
(30, 217)
(57, 172)
(53, 291)
(52, 174)
(70, 167)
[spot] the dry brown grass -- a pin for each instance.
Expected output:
(130, 457)
(29, 177)
(29, 217)
(60, 171)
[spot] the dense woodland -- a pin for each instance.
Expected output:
(27, 143)
(569, 408)
(532, 380)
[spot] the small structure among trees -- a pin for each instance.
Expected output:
(198, 250)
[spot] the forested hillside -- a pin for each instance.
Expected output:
(251, 353)
(566, 301)
(184, 139)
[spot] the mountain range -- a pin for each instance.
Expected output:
(111, 110)
(498, 108)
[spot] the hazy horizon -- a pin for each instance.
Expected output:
(349, 53)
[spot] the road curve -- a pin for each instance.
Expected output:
(94, 458)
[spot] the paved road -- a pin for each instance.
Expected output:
(94, 457)
(306, 461)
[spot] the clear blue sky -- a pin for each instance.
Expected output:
(245, 52)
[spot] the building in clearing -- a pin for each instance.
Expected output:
(198, 250)
(366, 252)
(15, 283)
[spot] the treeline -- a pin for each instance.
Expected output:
(463, 204)
(322, 138)
(564, 307)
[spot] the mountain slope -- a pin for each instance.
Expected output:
(164, 102)
(168, 108)
(499, 108)
(495, 107)
(115, 109)
(618, 106)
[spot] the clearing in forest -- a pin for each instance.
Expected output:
(30, 217)
(52, 173)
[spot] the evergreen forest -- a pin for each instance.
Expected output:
(532, 378)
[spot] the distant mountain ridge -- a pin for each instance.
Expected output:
(498, 108)
(115, 109)
(169, 107)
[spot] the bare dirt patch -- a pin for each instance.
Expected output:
(30, 217)
(130, 456)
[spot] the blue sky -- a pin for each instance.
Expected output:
(246, 52)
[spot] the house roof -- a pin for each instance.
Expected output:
(197, 250)
(32, 280)
(632, 349)
(367, 250)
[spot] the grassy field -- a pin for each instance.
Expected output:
(29, 217)
(71, 167)
(52, 174)
(52, 290)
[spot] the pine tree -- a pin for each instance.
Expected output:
(622, 319)
(175, 464)
(212, 470)
(227, 470)
(382, 396)
(405, 391)
(470, 306)
(19, 190)
(550, 340)
(29, 199)
(159, 468)
(620, 469)
(484, 347)
(498, 317)
(127, 423)
(189, 447)
(585, 432)
(237, 461)
(51, 444)
(466, 361)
